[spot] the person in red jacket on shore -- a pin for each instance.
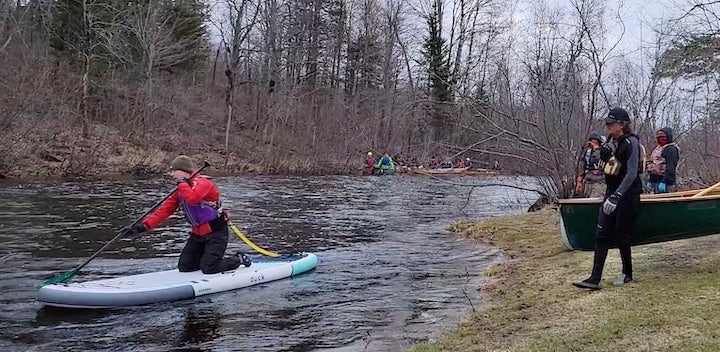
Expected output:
(199, 198)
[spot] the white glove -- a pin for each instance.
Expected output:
(610, 204)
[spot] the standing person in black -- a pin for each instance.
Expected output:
(616, 218)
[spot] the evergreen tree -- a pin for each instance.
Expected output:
(438, 69)
(436, 57)
(186, 22)
(696, 56)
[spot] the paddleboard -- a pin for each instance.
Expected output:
(171, 285)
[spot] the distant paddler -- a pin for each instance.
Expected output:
(663, 162)
(590, 181)
(385, 166)
(369, 164)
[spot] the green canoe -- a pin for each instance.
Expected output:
(662, 217)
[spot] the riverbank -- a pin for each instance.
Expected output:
(671, 306)
(66, 152)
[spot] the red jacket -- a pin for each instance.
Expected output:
(202, 189)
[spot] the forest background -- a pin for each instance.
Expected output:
(98, 87)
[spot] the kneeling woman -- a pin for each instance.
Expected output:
(616, 218)
(200, 201)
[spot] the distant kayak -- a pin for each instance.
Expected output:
(171, 285)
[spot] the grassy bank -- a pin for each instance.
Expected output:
(672, 306)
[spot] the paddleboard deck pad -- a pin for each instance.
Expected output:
(171, 285)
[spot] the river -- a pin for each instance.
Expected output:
(388, 276)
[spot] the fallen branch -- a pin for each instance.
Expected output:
(541, 193)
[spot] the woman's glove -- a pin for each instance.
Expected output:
(137, 229)
(611, 203)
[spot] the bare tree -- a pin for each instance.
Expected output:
(239, 17)
(78, 27)
(143, 38)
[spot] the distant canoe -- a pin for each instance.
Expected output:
(455, 171)
(481, 172)
(662, 217)
(449, 171)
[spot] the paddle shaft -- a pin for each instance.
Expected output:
(126, 229)
(706, 190)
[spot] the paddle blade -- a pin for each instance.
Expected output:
(62, 278)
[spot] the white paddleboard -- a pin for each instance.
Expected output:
(171, 285)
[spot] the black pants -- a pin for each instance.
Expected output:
(206, 253)
(615, 230)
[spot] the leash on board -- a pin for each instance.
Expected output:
(249, 243)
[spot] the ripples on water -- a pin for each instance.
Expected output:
(389, 275)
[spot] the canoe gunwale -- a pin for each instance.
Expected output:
(644, 199)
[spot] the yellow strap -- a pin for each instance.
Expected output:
(252, 245)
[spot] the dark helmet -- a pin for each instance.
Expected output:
(617, 114)
(597, 136)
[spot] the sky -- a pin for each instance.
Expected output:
(632, 23)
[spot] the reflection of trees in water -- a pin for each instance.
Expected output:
(62, 220)
(201, 325)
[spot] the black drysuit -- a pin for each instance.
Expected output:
(615, 229)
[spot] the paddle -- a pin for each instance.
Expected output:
(65, 277)
(706, 190)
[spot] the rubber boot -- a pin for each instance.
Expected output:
(593, 282)
(243, 259)
(626, 257)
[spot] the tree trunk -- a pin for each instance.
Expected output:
(85, 93)
(229, 97)
(314, 50)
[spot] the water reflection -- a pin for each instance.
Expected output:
(201, 325)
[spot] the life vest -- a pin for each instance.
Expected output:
(592, 162)
(198, 214)
(612, 167)
(204, 214)
(615, 168)
(386, 163)
(656, 165)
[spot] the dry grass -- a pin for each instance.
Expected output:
(671, 307)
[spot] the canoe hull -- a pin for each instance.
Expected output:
(659, 220)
